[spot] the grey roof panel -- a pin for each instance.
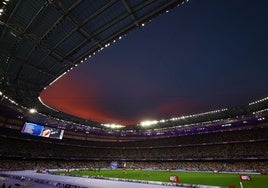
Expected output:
(71, 42)
(47, 17)
(24, 47)
(22, 17)
(105, 17)
(87, 8)
(57, 33)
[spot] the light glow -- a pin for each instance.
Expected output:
(32, 110)
(148, 123)
(113, 126)
(39, 98)
(57, 78)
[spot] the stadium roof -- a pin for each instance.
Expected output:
(44, 39)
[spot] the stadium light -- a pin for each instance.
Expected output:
(57, 78)
(113, 126)
(258, 101)
(40, 100)
(148, 123)
(32, 110)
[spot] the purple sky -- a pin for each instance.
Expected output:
(202, 56)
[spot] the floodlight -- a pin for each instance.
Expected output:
(148, 123)
(32, 110)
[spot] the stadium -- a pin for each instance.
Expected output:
(41, 146)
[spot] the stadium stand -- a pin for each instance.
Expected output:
(231, 150)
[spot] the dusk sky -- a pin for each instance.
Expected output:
(202, 56)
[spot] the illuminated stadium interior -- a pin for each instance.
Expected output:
(56, 43)
(41, 41)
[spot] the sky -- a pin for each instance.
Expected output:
(202, 56)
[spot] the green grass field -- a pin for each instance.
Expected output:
(202, 178)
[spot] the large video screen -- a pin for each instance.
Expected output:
(43, 131)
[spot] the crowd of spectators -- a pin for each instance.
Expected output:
(230, 166)
(256, 133)
(240, 145)
(43, 165)
(31, 148)
(247, 134)
(34, 164)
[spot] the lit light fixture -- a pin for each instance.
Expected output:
(32, 110)
(113, 126)
(148, 123)
(58, 78)
(1, 93)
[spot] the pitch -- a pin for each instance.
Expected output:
(201, 178)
